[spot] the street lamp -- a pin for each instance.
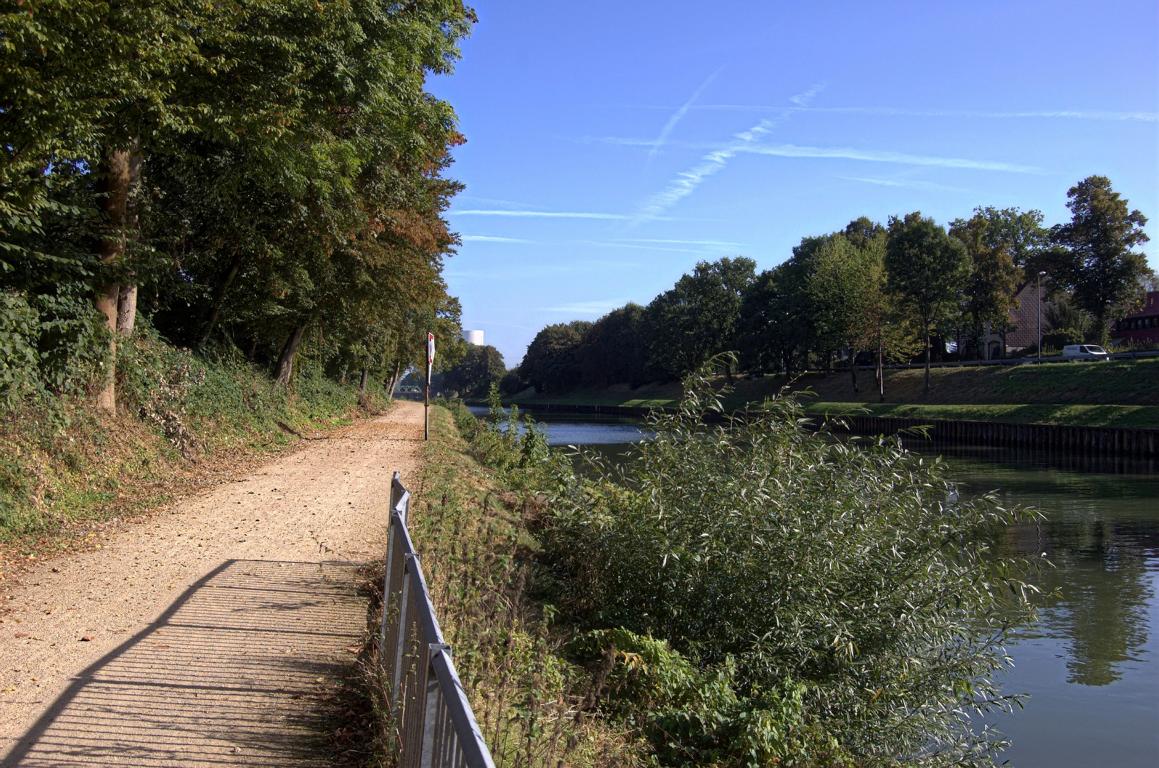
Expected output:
(1040, 274)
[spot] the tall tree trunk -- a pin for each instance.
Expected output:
(127, 309)
(219, 300)
(115, 177)
(289, 352)
(393, 381)
(853, 369)
(127, 296)
(362, 387)
(927, 360)
(1102, 329)
(881, 369)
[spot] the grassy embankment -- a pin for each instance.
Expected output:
(1119, 393)
(471, 525)
(66, 469)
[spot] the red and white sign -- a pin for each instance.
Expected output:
(430, 349)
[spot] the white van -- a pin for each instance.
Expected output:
(1084, 352)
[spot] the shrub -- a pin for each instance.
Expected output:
(841, 605)
(18, 356)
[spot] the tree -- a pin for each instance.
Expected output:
(479, 369)
(86, 83)
(698, 317)
(1095, 254)
(927, 270)
(551, 363)
(845, 293)
(762, 339)
(259, 169)
(613, 349)
(992, 238)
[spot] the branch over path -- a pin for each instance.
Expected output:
(213, 632)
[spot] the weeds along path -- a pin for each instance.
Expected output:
(215, 632)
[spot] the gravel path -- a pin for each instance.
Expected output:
(211, 633)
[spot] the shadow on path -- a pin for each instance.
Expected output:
(237, 671)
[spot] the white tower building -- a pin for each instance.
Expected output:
(474, 338)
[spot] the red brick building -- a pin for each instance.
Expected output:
(1142, 326)
(1023, 329)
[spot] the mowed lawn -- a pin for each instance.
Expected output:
(1115, 382)
(1120, 393)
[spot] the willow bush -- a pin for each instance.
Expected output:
(817, 602)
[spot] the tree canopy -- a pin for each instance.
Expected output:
(266, 176)
(1095, 255)
(926, 269)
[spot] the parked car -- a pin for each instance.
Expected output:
(1084, 352)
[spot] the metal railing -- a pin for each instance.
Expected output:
(428, 706)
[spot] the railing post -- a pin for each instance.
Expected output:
(403, 617)
(433, 706)
(435, 725)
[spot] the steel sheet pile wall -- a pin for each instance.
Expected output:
(428, 705)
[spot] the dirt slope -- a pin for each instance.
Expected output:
(214, 631)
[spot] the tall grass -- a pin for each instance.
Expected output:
(62, 462)
(471, 528)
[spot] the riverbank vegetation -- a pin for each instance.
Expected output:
(773, 597)
(749, 593)
(184, 420)
(472, 521)
(869, 294)
(261, 183)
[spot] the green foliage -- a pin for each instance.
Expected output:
(18, 354)
(926, 269)
(552, 363)
(845, 292)
(613, 350)
(1067, 322)
(60, 463)
(477, 372)
(856, 600)
(997, 242)
(286, 177)
(772, 327)
(1095, 254)
(470, 525)
(698, 317)
(512, 382)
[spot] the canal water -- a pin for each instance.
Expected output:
(1091, 663)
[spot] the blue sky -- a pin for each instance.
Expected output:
(612, 145)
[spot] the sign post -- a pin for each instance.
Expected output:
(427, 390)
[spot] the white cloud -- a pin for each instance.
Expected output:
(905, 183)
(803, 100)
(712, 163)
(1041, 114)
(596, 307)
(709, 244)
(679, 114)
(525, 214)
(887, 156)
(739, 146)
(493, 239)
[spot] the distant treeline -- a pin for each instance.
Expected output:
(260, 179)
(868, 292)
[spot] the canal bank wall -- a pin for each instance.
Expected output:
(1088, 441)
(1098, 441)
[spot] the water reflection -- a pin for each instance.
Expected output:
(1101, 532)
